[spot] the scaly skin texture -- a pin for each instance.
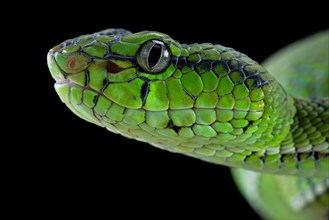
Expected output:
(206, 101)
(302, 68)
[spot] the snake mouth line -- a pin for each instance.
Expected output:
(63, 81)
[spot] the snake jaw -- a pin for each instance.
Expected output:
(63, 81)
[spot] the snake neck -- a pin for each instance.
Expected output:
(249, 98)
(289, 137)
(307, 143)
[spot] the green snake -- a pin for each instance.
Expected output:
(213, 103)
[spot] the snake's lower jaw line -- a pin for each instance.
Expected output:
(66, 91)
(60, 80)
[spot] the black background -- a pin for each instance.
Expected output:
(78, 164)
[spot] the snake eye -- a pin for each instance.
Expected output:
(153, 56)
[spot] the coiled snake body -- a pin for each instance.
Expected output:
(212, 103)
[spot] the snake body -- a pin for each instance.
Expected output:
(210, 102)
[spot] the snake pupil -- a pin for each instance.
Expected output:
(154, 55)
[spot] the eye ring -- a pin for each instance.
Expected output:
(154, 56)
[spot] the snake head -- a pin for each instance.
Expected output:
(149, 87)
(115, 67)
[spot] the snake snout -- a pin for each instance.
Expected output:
(56, 73)
(67, 65)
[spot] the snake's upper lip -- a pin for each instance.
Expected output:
(60, 80)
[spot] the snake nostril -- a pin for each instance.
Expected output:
(72, 63)
(113, 68)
